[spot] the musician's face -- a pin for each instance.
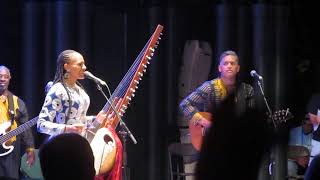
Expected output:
(76, 66)
(4, 79)
(229, 66)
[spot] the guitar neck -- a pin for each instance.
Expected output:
(18, 130)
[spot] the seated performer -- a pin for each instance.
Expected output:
(66, 104)
(299, 148)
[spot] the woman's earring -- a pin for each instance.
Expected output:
(66, 75)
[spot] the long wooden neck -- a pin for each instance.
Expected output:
(128, 85)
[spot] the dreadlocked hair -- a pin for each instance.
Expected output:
(64, 57)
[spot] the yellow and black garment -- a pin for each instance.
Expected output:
(9, 104)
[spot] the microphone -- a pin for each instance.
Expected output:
(254, 74)
(89, 75)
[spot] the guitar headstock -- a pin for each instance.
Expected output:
(281, 116)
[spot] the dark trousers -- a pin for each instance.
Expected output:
(10, 164)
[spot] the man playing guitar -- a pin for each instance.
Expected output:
(13, 112)
(207, 98)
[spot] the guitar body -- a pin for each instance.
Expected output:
(104, 150)
(6, 136)
(197, 131)
(5, 149)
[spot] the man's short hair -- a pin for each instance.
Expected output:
(227, 53)
(6, 68)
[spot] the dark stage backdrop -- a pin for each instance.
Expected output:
(276, 38)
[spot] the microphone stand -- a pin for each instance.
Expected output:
(124, 133)
(266, 102)
(272, 156)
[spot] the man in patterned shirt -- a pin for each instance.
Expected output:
(210, 94)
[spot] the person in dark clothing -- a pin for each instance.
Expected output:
(313, 110)
(13, 112)
(234, 145)
(313, 171)
(67, 156)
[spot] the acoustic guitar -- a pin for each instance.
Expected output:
(197, 131)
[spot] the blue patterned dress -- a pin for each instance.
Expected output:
(52, 117)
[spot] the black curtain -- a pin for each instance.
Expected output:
(110, 34)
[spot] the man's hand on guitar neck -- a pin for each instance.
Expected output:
(200, 120)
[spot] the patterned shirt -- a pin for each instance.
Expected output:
(52, 117)
(209, 96)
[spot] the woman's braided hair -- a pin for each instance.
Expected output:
(64, 57)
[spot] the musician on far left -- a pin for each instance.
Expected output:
(13, 112)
